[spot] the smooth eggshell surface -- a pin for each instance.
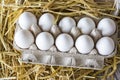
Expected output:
(84, 44)
(64, 42)
(24, 38)
(46, 21)
(66, 24)
(107, 27)
(86, 25)
(44, 41)
(26, 20)
(105, 46)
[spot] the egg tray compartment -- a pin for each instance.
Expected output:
(76, 60)
(63, 59)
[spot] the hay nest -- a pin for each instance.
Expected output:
(10, 65)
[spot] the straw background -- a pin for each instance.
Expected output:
(11, 68)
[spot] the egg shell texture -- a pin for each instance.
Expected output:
(105, 46)
(44, 41)
(66, 24)
(107, 27)
(26, 20)
(84, 44)
(64, 42)
(86, 25)
(46, 21)
(24, 38)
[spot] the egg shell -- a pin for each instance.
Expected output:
(107, 27)
(24, 38)
(46, 21)
(64, 42)
(86, 25)
(44, 41)
(105, 46)
(66, 24)
(26, 20)
(84, 44)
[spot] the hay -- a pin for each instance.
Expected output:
(11, 68)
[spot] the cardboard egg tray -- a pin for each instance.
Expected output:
(57, 58)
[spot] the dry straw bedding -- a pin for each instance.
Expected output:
(12, 68)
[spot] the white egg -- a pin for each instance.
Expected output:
(26, 20)
(86, 25)
(107, 27)
(44, 41)
(46, 21)
(84, 44)
(24, 38)
(64, 42)
(105, 46)
(66, 24)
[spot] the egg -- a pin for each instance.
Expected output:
(24, 38)
(46, 21)
(44, 41)
(66, 24)
(105, 46)
(107, 27)
(64, 42)
(86, 25)
(84, 44)
(26, 20)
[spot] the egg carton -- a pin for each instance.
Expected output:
(67, 59)
(63, 59)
